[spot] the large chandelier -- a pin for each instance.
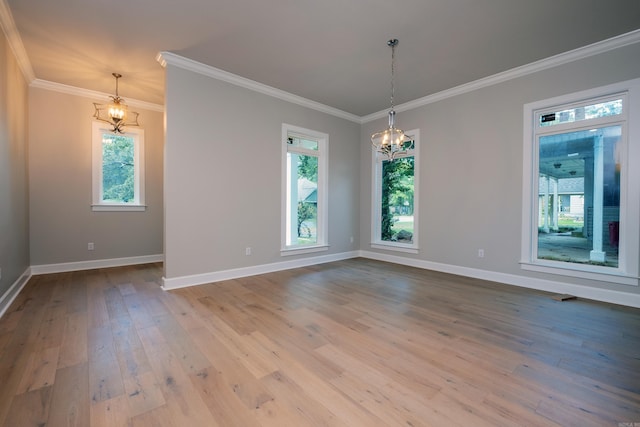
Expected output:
(392, 141)
(116, 113)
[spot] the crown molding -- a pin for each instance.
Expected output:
(72, 90)
(168, 58)
(544, 64)
(13, 37)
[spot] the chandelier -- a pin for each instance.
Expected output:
(116, 113)
(392, 141)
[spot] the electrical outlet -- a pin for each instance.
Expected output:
(351, 239)
(247, 251)
(90, 246)
(480, 253)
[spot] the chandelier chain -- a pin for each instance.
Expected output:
(393, 44)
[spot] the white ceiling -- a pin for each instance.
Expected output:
(330, 51)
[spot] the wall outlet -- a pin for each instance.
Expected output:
(351, 240)
(247, 251)
(90, 246)
(480, 253)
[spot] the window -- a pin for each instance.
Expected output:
(395, 200)
(118, 169)
(578, 206)
(304, 189)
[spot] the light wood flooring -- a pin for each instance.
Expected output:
(350, 343)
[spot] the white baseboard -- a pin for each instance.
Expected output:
(216, 276)
(598, 294)
(90, 265)
(13, 291)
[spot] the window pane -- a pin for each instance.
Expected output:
(118, 172)
(585, 112)
(579, 196)
(302, 199)
(303, 143)
(397, 200)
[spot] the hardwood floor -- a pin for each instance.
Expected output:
(351, 343)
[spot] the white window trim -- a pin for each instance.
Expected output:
(376, 161)
(627, 272)
(97, 205)
(322, 243)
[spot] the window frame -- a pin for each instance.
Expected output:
(376, 198)
(626, 273)
(322, 232)
(138, 204)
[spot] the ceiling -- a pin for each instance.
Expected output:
(331, 51)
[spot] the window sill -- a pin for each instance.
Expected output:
(610, 277)
(398, 247)
(118, 208)
(303, 250)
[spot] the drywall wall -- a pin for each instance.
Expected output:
(14, 202)
(471, 166)
(61, 221)
(223, 175)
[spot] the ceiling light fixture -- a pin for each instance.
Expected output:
(391, 141)
(116, 113)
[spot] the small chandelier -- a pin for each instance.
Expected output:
(391, 141)
(116, 113)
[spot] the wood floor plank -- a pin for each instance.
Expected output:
(15, 355)
(70, 400)
(223, 401)
(112, 412)
(158, 417)
(73, 349)
(143, 392)
(40, 371)
(96, 304)
(183, 400)
(181, 345)
(105, 379)
(30, 409)
(236, 376)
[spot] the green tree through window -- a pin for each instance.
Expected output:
(397, 197)
(118, 174)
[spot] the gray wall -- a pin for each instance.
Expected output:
(14, 203)
(223, 175)
(471, 165)
(61, 220)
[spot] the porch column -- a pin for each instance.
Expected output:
(556, 205)
(545, 226)
(598, 189)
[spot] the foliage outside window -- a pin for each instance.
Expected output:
(118, 169)
(579, 159)
(304, 190)
(394, 220)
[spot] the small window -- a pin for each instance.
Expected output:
(304, 184)
(118, 169)
(394, 211)
(578, 209)
(607, 108)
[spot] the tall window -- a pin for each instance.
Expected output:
(395, 205)
(304, 183)
(118, 169)
(579, 211)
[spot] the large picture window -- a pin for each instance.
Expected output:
(578, 206)
(394, 209)
(304, 184)
(118, 169)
